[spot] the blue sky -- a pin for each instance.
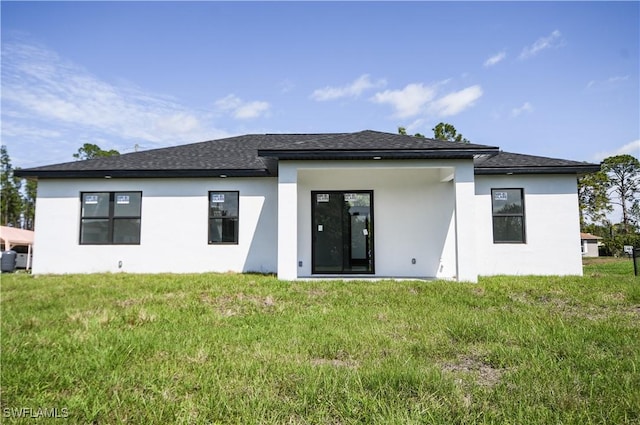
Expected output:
(544, 78)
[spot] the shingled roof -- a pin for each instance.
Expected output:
(368, 144)
(233, 156)
(257, 155)
(515, 163)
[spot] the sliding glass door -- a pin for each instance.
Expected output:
(342, 232)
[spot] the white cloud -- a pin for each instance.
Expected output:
(552, 40)
(526, 107)
(415, 126)
(179, 122)
(228, 103)
(617, 79)
(409, 101)
(632, 148)
(252, 109)
(45, 94)
(241, 109)
(419, 99)
(14, 129)
(498, 57)
(456, 102)
(611, 81)
(354, 89)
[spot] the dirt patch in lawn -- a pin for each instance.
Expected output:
(601, 260)
(485, 374)
(352, 364)
(238, 304)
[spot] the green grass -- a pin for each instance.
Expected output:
(608, 266)
(207, 348)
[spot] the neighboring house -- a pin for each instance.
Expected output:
(589, 245)
(366, 204)
(20, 241)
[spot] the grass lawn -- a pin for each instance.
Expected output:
(245, 349)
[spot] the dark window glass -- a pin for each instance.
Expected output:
(223, 217)
(126, 231)
(94, 231)
(507, 201)
(95, 204)
(507, 229)
(127, 204)
(508, 215)
(110, 218)
(223, 230)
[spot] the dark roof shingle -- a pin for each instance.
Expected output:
(257, 154)
(515, 163)
(372, 140)
(229, 156)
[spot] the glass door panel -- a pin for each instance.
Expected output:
(327, 227)
(342, 227)
(358, 238)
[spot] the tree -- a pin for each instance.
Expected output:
(593, 198)
(91, 151)
(10, 199)
(635, 213)
(29, 203)
(403, 131)
(623, 187)
(445, 131)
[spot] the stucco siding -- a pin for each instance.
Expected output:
(415, 204)
(174, 228)
(590, 248)
(551, 224)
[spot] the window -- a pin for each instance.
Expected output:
(110, 218)
(223, 217)
(508, 215)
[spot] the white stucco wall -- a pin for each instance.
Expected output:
(466, 254)
(174, 227)
(413, 211)
(552, 227)
(414, 217)
(590, 248)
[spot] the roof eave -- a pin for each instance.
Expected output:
(74, 174)
(569, 169)
(376, 154)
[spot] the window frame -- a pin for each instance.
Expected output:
(111, 217)
(236, 217)
(522, 216)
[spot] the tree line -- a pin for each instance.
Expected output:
(17, 196)
(615, 188)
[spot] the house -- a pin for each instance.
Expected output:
(20, 241)
(365, 204)
(589, 245)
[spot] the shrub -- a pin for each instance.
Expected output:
(614, 245)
